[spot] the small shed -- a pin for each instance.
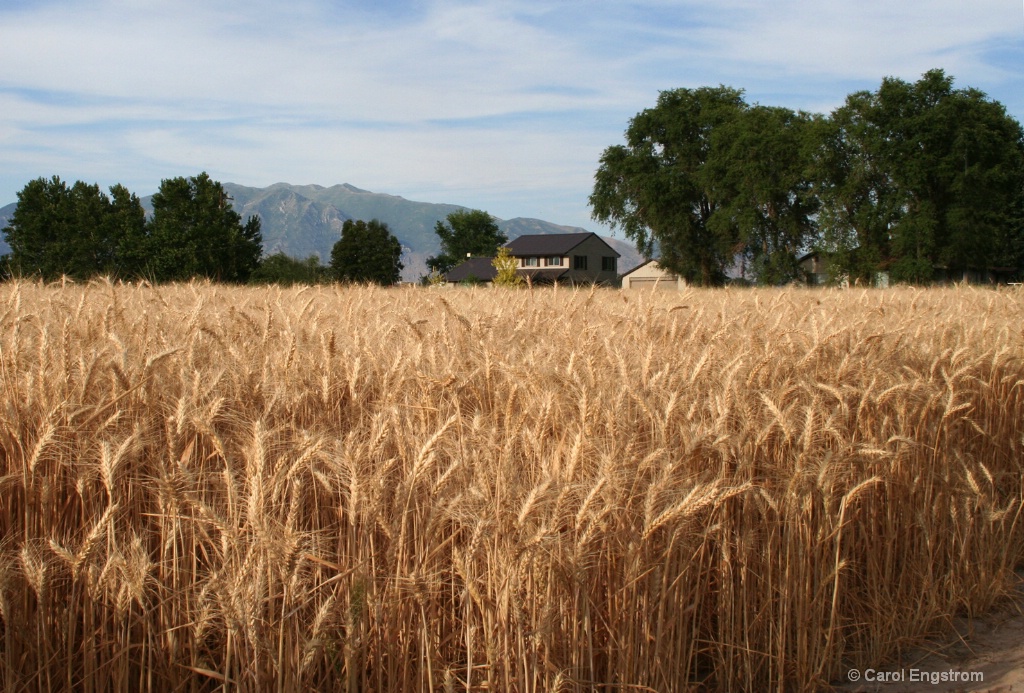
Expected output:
(651, 275)
(814, 267)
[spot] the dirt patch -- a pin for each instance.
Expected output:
(984, 654)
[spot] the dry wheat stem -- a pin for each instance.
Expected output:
(355, 488)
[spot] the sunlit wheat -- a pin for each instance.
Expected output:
(356, 489)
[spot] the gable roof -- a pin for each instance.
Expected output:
(473, 268)
(551, 243)
(642, 264)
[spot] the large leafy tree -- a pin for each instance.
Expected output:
(913, 177)
(195, 233)
(465, 232)
(367, 252)
(656, 189)
(75, 230)
(757, 175)
(856, 188)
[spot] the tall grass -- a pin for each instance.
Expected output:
(364, 489)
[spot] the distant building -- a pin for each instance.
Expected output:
(564, 258)
(972, 275)
(472, 270)
(651, 275)
(814, 267)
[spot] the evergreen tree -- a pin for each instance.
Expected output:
(195, 232)
(367, 252)
(127, 235)
(75, 231)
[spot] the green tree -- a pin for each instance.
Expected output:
(465, 232)
(656, 190)
(127, 234)
(282, 269)
(40, 232)
(918, 176)
(1010, 241)
(856, 189)
(757, 174)
(195, 232)
(506, 266)
(75, 231)
(367, 252)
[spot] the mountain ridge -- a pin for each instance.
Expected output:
(304, 220)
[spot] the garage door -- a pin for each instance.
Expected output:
(650, 283)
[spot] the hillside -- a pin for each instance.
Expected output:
(301, 220)
(304, 220)
(5, 214)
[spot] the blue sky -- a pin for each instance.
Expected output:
(500, 105)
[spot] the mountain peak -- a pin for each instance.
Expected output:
(304, 220)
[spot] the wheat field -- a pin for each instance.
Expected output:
(361, 489)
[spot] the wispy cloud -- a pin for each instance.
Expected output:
(504, 105)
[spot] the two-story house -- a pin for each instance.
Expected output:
(571, 258)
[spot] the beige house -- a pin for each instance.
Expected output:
(576, 258)
(563, 258)
(651, 275)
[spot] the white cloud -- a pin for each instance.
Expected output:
(499, 101)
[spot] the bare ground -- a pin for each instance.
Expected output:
(989, 647)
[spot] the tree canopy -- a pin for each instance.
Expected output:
(465, 232)
(918, 177)
(367, 252)
(655, 187)
(757, 175)
(80, 232)
(75, 231)
(912, 179)
(195, 232)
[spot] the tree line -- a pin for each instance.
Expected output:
(917, 180)
(78, 231)
(913, 179)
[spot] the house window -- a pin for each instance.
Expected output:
(608, 264)
(552, 262)
(531, 262)
(579, 262)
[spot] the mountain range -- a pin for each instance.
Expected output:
(304, 220)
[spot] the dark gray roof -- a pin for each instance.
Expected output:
(550, 244)
(642, 264)
(473, 268)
